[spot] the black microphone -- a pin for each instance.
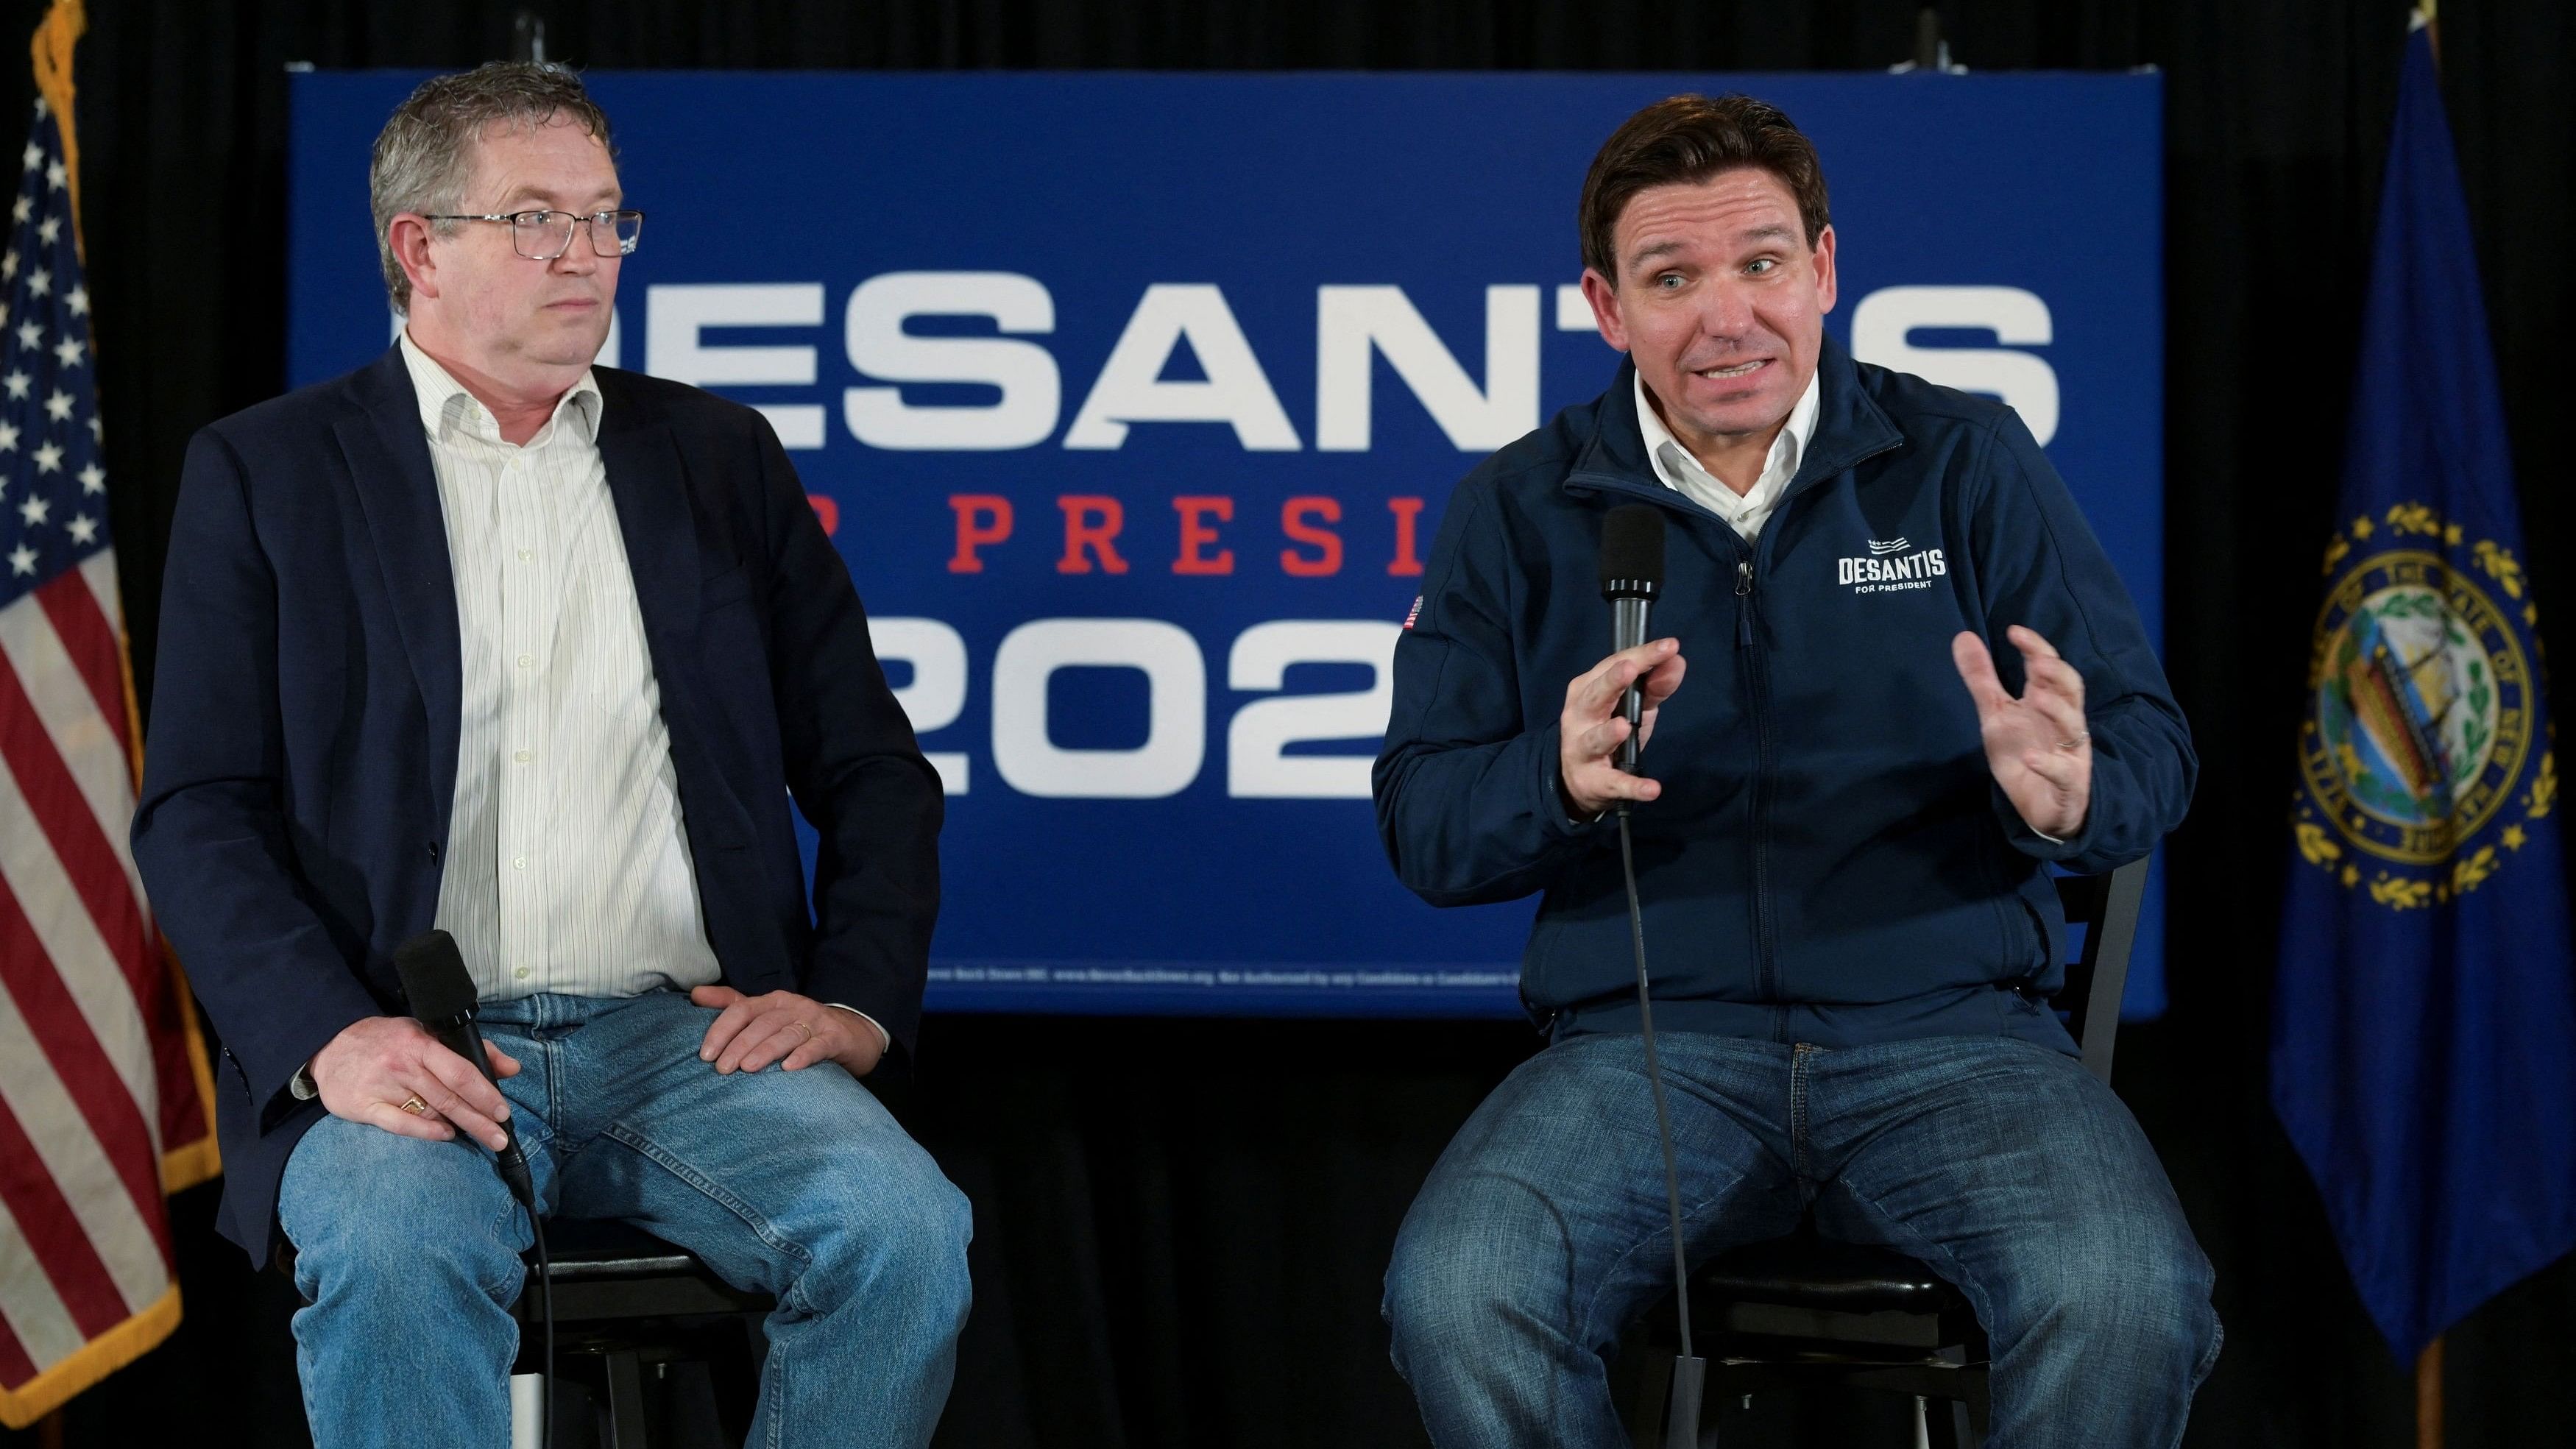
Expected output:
(1632, 574)
(441, 993)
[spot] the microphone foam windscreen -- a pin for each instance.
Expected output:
(1632, 549)
(434, 978)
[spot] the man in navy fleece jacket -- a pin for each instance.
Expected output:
(1914, 680)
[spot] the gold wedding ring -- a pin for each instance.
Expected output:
(413, 1104)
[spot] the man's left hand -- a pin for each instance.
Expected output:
(2038, 745)
(780, 1026)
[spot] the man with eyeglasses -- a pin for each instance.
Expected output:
(485, 639)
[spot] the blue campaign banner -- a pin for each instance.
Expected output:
(1133, 402)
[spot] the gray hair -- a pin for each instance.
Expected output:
(425, 154)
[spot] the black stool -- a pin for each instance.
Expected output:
(1801, 1311)
(626, 1302)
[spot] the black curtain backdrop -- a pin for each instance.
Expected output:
(1180, 1224)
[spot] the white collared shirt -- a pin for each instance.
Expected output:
(567, 869)
(1745, 512)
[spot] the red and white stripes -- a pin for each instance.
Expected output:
(92, 1077)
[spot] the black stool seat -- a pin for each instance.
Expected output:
(1810, 1272)
(605, 1269)
(606, 1241)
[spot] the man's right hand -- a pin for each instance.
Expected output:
(1591, 730)
(369, 1070)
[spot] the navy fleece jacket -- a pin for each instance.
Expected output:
(1830, 861)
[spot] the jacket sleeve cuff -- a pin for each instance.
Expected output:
(2035, 845)
(269, 1064)
(1550, 808)
(885, 1039)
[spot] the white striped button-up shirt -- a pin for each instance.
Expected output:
(567, 869)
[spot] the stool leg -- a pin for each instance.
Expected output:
(625, 1401)
(527, 1411)
(1654, 1384)
(1947, 1427)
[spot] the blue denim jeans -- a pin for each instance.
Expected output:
(2006, 1167)
(797, 1184)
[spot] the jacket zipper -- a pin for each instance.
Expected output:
(1766, 966)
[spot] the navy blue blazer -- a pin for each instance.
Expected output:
(302, 755)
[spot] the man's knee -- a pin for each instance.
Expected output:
(928, 1243)
(2137, 1289)
(906, 1229)
(1451, 1296)
(393, 1219)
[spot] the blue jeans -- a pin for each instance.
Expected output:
(797, 1184)
(2006, 1167)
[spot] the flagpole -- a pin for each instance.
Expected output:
(2428, 1397)
(2428, 1364)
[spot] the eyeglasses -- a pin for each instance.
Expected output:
(542, 236)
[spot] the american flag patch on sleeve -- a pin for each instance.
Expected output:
(1413, 613)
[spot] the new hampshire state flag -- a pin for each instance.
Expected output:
(2424, 1018)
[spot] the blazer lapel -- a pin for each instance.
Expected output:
(388, 456)
(649, 485)
(646, 483)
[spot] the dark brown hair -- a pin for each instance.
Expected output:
(1688, 139)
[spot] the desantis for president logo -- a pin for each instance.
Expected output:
(1890, 566)
(2418, 764)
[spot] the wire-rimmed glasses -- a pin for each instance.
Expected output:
(542, 236)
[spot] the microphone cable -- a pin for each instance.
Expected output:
(441, 994)
(546, 1312)
(1681, 1413)
(515, 1174)
(1632, 574)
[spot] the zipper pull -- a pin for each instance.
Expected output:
(1744, 606)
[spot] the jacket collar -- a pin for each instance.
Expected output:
(1850, 427)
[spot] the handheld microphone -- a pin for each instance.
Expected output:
(1632, 574)
(441, 993)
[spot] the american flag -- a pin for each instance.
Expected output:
(102, 1092)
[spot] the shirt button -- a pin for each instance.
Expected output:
(527, 660)
(518, 862)
(524, 756)
(521, 973)
(523, 554)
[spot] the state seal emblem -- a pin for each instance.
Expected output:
(2418, 762)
